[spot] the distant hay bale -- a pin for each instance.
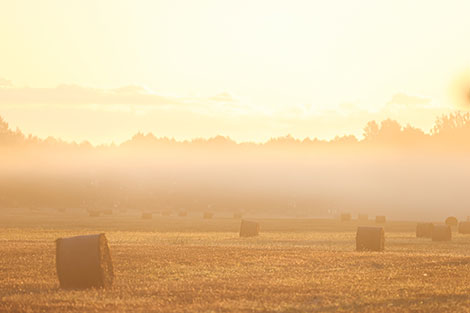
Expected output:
(166, 213)
(249, 229)
(464, 227)
(208, 215)
(370, 238)
(84, 262)
(237, 215)
(362, 217)
(182, 213)
(380, 219)
(441, 233)
(61, 210)
(345, 217)
(424, 230)
(108, 212)
(452, 221)
(147, 216)
(94, 213)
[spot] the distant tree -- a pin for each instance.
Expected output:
(346, 139)
(286, 140)
(220, 141)
(3, 126)
(371, 131)
(452, 123)
(390, 131)
(452, 130)
(413, 135)
(9, 137)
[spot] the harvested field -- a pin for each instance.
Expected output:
(197, 267)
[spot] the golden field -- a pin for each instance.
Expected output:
(188, 264)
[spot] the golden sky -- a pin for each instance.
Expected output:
(104, 70)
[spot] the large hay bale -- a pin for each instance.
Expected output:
(363, 217)
(249, 229)
(441, 233)
(345, 217)
(424, 230)
(84, 262)
(452, 221)
(370, 238)
(147, 216)
(237, 215)
(208, 215)
(464, 227)
(182, 213)
(380, 219)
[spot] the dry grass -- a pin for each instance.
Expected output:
(190, 269)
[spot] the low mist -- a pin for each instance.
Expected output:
(397, 171)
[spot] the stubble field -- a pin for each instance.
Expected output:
(188, 264)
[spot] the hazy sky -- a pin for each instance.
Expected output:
(103, 70)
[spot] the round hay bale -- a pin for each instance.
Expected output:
(380, 219)
(147, 216)
(452, 221)
(424, 230)
(182, 214)
(441, 233)
(208, 215)
(249, 229)
(363, 217)
(464, 227)
(345, 217)
(84, 262)
(370, 238)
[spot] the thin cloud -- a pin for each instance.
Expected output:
(223, 97)
(130, 98)
(78, 95)
(221, 110)
(405, 99)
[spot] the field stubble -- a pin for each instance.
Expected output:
(293, 266)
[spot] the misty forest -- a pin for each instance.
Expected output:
(395, 170)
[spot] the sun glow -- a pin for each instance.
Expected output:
(334, 65)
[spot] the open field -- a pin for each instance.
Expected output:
(172, 264)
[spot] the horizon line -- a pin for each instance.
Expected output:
(228, 138)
